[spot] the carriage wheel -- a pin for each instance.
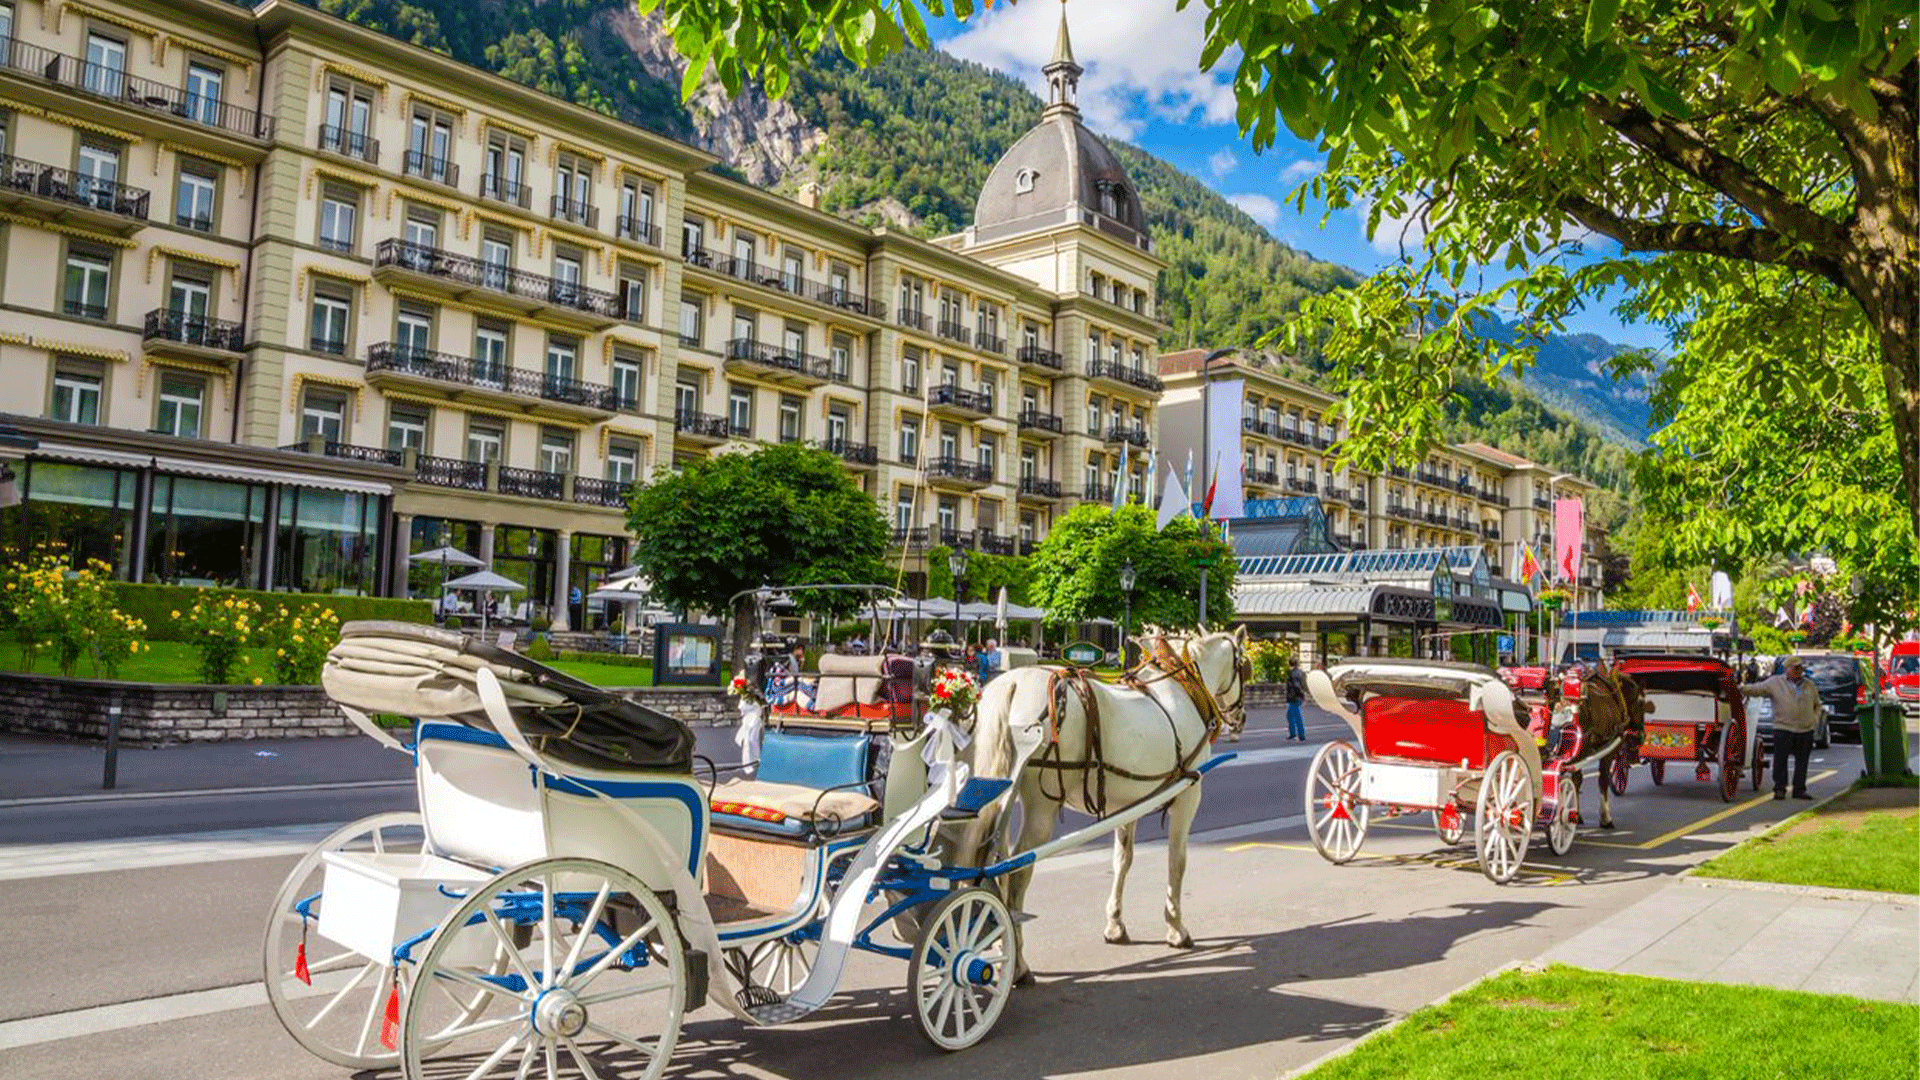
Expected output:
(595, 982)
(1733, 760)
(1448, 824)
(963, 968)
(1565, 817)
(1336, 818)
(781, 964)
(1617, 775)
(336, 1016)
(1503, 817)
(1657, 770)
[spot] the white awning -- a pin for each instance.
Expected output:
(90, 455)
(220, 471)
(1303, 599)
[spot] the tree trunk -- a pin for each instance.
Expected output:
(742, 632)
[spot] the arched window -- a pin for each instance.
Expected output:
(1023, 181)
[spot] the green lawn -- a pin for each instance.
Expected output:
(606, 674)
(1836, 848)
(1571, 1024)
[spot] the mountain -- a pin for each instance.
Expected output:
(910, 141)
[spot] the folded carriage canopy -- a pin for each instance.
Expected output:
(419, 671)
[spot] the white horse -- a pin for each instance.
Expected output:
(1153, 728)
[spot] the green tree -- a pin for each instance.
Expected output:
(1076, 571)
(782, 515)
(986, 575)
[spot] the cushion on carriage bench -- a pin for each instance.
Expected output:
(765, 800)
(815, 761)
(848, 680)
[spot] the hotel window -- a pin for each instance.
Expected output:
(948, 515)
(839, 284)
(1029, 528)
(789, 419)
(556, 452)
(686, 398)
(339, 212)
(1093, 348)
(193, 199)
(950, 310)
(990, 388)
(913, 298)
(1115, 353)
(1029, 336)
(348, 118)
(745, 248)
(486, 441)
(627, 370)
(413, 330)
(181, 400)
(1029, 463)
(746, 324)
(792, 269)
(1029, 400)
(909, 440)
(949, 442)
(332, 314)
(6, 21)
(950, 374)
(633, 292)
(793, 342)
(572, 188)
(566, 275)
(106, 68)
(1092, 474)
(690, 316)
(407, 428)
(903, 510)
(205, 86)
(987, 321)
(623, 461)
(323, 413)
(1095, 406)
(740, 410)
(988, 454)
(98, 164)
(76, 391)
(1139, 359)
(841, 358)
(490, 353)
(89, 283)
(562, 354)
(423, 229)
(693, 240)
(504, 177)
(910, 371)
(636, 211)
(190, 299)
(839, 422)
(430, 146)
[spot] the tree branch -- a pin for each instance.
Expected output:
(1728, 241)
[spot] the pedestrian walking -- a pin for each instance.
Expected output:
(1796, 712)
(1296, 695)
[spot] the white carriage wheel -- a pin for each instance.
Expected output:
(1449, 834)
(1564, 824)
(963, 967)
(781, 964)
(1336, 818)
(1503, 817)
(569, 1002)
(336, 1017)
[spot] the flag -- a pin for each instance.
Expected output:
(1120, 478)
(1227, 493)
(1720, 591)
(1153, 470)
(1569, 537)
(1174, 500)
(1529, 563)
(1187, 484)
(1694, 603)
(1213, 488)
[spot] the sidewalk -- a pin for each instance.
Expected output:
(1783, 936)
(32, 767)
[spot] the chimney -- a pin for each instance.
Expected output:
(809, 195)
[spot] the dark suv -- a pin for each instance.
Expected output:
(1839, 677)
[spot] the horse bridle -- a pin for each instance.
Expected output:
(1231, 717)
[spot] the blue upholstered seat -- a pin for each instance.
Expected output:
(821, 762)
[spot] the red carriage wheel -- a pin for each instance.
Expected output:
(1733, 759)
(1566, 815)
(1657, 770)
(1336, 816)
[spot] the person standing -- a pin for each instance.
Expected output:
(1796, 713)
(1296, 696)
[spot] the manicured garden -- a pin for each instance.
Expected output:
(1868, 838)
(1573, 1024)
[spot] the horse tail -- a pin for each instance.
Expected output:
(992, 759)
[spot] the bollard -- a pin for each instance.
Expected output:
(113, 746)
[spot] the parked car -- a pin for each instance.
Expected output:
(1903, 672)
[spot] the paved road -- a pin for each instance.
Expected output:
(132, 940)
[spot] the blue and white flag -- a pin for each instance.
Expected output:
(1120, 478)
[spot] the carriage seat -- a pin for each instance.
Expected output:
(862, 687)
(807, 784)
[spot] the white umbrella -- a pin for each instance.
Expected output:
(484, 582)
(1000, 613)
(446, 555)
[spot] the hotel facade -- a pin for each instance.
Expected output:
(287, 301)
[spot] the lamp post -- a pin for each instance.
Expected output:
(1206, 458)
(957, 562)
(1126, 621)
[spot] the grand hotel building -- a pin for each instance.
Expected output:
(286, 301)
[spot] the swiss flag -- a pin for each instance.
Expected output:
(1694, 603)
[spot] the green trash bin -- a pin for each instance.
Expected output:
(1883, 738)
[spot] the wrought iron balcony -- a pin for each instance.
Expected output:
(329, 448)
(1035, 420)
(994, 544)
(1096, 493)
(451, 472)
(82, 309)
(701, 425)
(954, 397)
(1039, 487)
(574, 210)
(466, 270)
(500, 189)
(427, 167)
(1266, 477)
(986, 342)
(1542, 503)
(852, 452)
(531, 483)
(846, 299)
(347, 143)
(913, 318)
(959, 468)
(1357, 500)
(1034, 354)
(1127, 433)
(198, 330)
(637, 228)
(488, 375)
(1302, 487)
(953, 331)
(814, 369)
(144, 95)
(596, 492)
(1103, 369)
(1336, 494)
(1490, 531)
(66, 186)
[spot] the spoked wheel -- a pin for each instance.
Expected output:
(1733, 760)
(1658, 771)
(1617, 775)
(594, 982)
(782, 964)
(1336, 818)
(1503, 817)
(963, 968)
(337, 1015)
(1565, 817)
(1449, 826)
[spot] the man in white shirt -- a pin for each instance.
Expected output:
(1796, 713)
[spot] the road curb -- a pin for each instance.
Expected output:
(268, 789)
(1820, 892)
(1343, 1051)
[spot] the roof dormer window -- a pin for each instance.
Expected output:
(1023, 181)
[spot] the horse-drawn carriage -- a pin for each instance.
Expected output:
(1446, 739)
(1696, 715)
(571, 887)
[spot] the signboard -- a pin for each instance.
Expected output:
(1505, 645)
(686, 654)
(1084, 653)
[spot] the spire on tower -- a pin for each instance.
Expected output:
(1063, 74)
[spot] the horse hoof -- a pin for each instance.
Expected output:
(1606, 824)
(1181, 940)
(1117, 935)
(1025, 978)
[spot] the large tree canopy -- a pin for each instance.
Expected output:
(1076, 571)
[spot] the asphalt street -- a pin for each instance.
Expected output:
(134, 925)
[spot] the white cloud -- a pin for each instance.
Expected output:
(1299, 170)
(1260, 208)
(1140, 64)
(1221, 162)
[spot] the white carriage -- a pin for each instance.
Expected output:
(570, 889)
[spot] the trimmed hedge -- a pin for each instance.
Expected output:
(157, 603)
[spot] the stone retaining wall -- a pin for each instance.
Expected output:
(1266, 695)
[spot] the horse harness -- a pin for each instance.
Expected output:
(1179, 667)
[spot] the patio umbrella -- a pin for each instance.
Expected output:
(486, 583)
(1000, 613)
(446, 556)
(627, 588)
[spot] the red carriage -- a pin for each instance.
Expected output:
(1696, 715)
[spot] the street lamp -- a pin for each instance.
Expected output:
(1206, 458)
(1126, 621)
(957, 562)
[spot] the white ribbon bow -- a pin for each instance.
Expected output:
(949, 738)
(747, 735)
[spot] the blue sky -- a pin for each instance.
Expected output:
(1143, 85)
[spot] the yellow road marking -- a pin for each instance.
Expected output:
(1705, 821)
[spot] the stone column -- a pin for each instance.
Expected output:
(486, 542)
(402, 548)
(562, 575)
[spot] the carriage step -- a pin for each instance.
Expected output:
(778, 1012)
(974, 796)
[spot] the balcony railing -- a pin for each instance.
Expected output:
(1269, 477)
(1302, 487)
(836, 296)
(1034, 354)
(353, 144)
(114, 84)
(1036, 420)
(1542, 503)
(1400, 512)
(193, 330)
(988, 343)
(1096, 493)
(960, 468)
(698, 423)
(857, 453)
(641, 229)
(83, 309)
(67, 186)
(327, 448)
(1491, 532)
(489, 375)
(1336, 494)
(574, 210)
(1127, 433)
(531, 483)
(913, 318)
(451, 472)
(960, 398)
(1357, 501)
(427, 167)
(503, 279)
(953, 331)
(1040, 486)
(500, 189)
(995, 544)
(747, 349)
(1104, 369)
(596, 492)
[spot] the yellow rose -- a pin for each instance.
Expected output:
(176, 613)
(257, 680)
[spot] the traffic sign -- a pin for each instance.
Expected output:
(1504, 644)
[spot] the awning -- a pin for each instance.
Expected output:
(91, 455)
(219, 471)
(1349, 601)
